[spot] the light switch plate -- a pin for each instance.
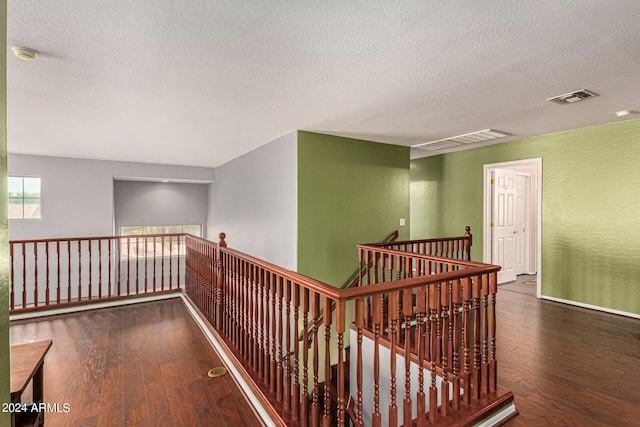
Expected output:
(402, 222)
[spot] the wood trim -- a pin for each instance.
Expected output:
(95, 301)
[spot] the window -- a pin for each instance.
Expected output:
(155, 246)
(138, 230)
(24, 197)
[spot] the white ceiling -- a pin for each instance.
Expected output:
(200, 82)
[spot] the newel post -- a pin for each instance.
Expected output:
(468, 242)
(220, 282)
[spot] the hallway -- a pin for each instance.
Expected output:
(566, 365)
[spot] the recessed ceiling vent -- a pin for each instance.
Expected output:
(571, 97)
(466, 139)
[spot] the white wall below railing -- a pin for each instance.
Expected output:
(385, 380)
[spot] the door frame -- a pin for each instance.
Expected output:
(486, 215)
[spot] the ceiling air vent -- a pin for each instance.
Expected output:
(571, 97)
(460, 140)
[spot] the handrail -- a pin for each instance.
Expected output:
(412, 282)
(450, 247)
(76, 239)
(256, 308)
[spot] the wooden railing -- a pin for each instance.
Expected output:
(432, 315)
(51, 273)
(447, 247)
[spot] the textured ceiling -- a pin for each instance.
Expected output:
(200, 82)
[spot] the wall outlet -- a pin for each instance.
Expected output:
(402, 222)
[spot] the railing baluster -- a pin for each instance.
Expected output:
(407, 311)
(421, 311)
(47, 294)
(359, 326)
(305, 358)
(255, 322)
(477, 291)
(100, 268)
(146, 264)
(376, 417)
(493, 380)
(137, 265)
(484, 381)
(434, 299)
(444, 386)
(295, 398)
(89, 244)
(24, 275)
(466, 338)
(162, 239)
(262, 322)
(155, 258)
(68, 270)
(315, 314)
(79, 270)
(455, 363)
(279, 357)
(392, 308)
(326, 417)
(109, 242)
(287, 358)
(272, 363)
(340, 329)
(128, 264)
(35, 276)
(170, 262)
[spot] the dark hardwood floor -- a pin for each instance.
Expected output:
(567, 366)
(146, 365)
(137, 365)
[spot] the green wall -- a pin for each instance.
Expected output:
(349, 192)
(590, 208)
(5, 420)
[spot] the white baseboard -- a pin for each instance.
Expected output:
(85, 307)
(498, 417)
(253, 400)
(592, 307)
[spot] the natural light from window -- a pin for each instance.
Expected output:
(160, 246)
(24, 197)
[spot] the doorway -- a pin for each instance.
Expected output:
(512, 218)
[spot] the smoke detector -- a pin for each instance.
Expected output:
(466, 139)
(24, 53)
(572, 97)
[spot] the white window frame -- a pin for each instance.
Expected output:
(22, 218)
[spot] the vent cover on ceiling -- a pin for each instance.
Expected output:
(571, 97)
(466, 139)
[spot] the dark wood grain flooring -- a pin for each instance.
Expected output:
(146, 365)
(567, 366)
(137, 365)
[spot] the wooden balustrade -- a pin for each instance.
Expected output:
(50, 273)
(447, 247)
(432, 318)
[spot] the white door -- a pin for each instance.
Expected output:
(521, 231)
(503, 223)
